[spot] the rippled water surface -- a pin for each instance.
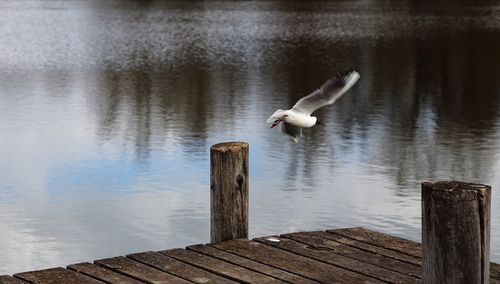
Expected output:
(108, 110)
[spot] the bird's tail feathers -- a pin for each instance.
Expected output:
(277, 114)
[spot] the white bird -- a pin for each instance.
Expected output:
(299, 116)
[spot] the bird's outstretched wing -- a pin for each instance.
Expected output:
(328, 93)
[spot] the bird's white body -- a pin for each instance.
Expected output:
(294, 118)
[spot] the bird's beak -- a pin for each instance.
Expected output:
(321, 123)
(276, 122)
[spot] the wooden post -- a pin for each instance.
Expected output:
(456, 232)
(228, 191)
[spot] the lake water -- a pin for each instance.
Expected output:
(108, 110)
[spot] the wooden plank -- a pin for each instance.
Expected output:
(327, 254)
(178, 268)
(220, 267)
(139, 271)
(250, 264)
(382, 240)
(315, 241)
(102, 273)
(56, 276)
(6, 279)
(394, 243)
(303, 266)
(371, 248)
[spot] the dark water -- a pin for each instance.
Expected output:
(108, 110)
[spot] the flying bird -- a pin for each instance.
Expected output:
(299, 116)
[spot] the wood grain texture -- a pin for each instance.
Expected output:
(228, 191)
(455, 232)
(6, 279)
(251, 264)
(217, 266)
(293, 263)
(416, 260)
(178, 268)
(318, 241)
(56, 275)
(101, 273)
(327, 254)
(398, 244)
(139, 271)
(381, 240)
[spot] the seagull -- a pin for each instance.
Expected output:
(299, 116)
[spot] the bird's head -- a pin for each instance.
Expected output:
(319, 122)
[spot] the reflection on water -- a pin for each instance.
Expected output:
(107, 112)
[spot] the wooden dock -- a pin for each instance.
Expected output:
(455, 233)
(354, 255)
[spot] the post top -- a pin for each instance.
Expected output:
(229, 146)
(455, 186)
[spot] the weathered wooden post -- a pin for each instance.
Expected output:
(456, 232)
(228, 191)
